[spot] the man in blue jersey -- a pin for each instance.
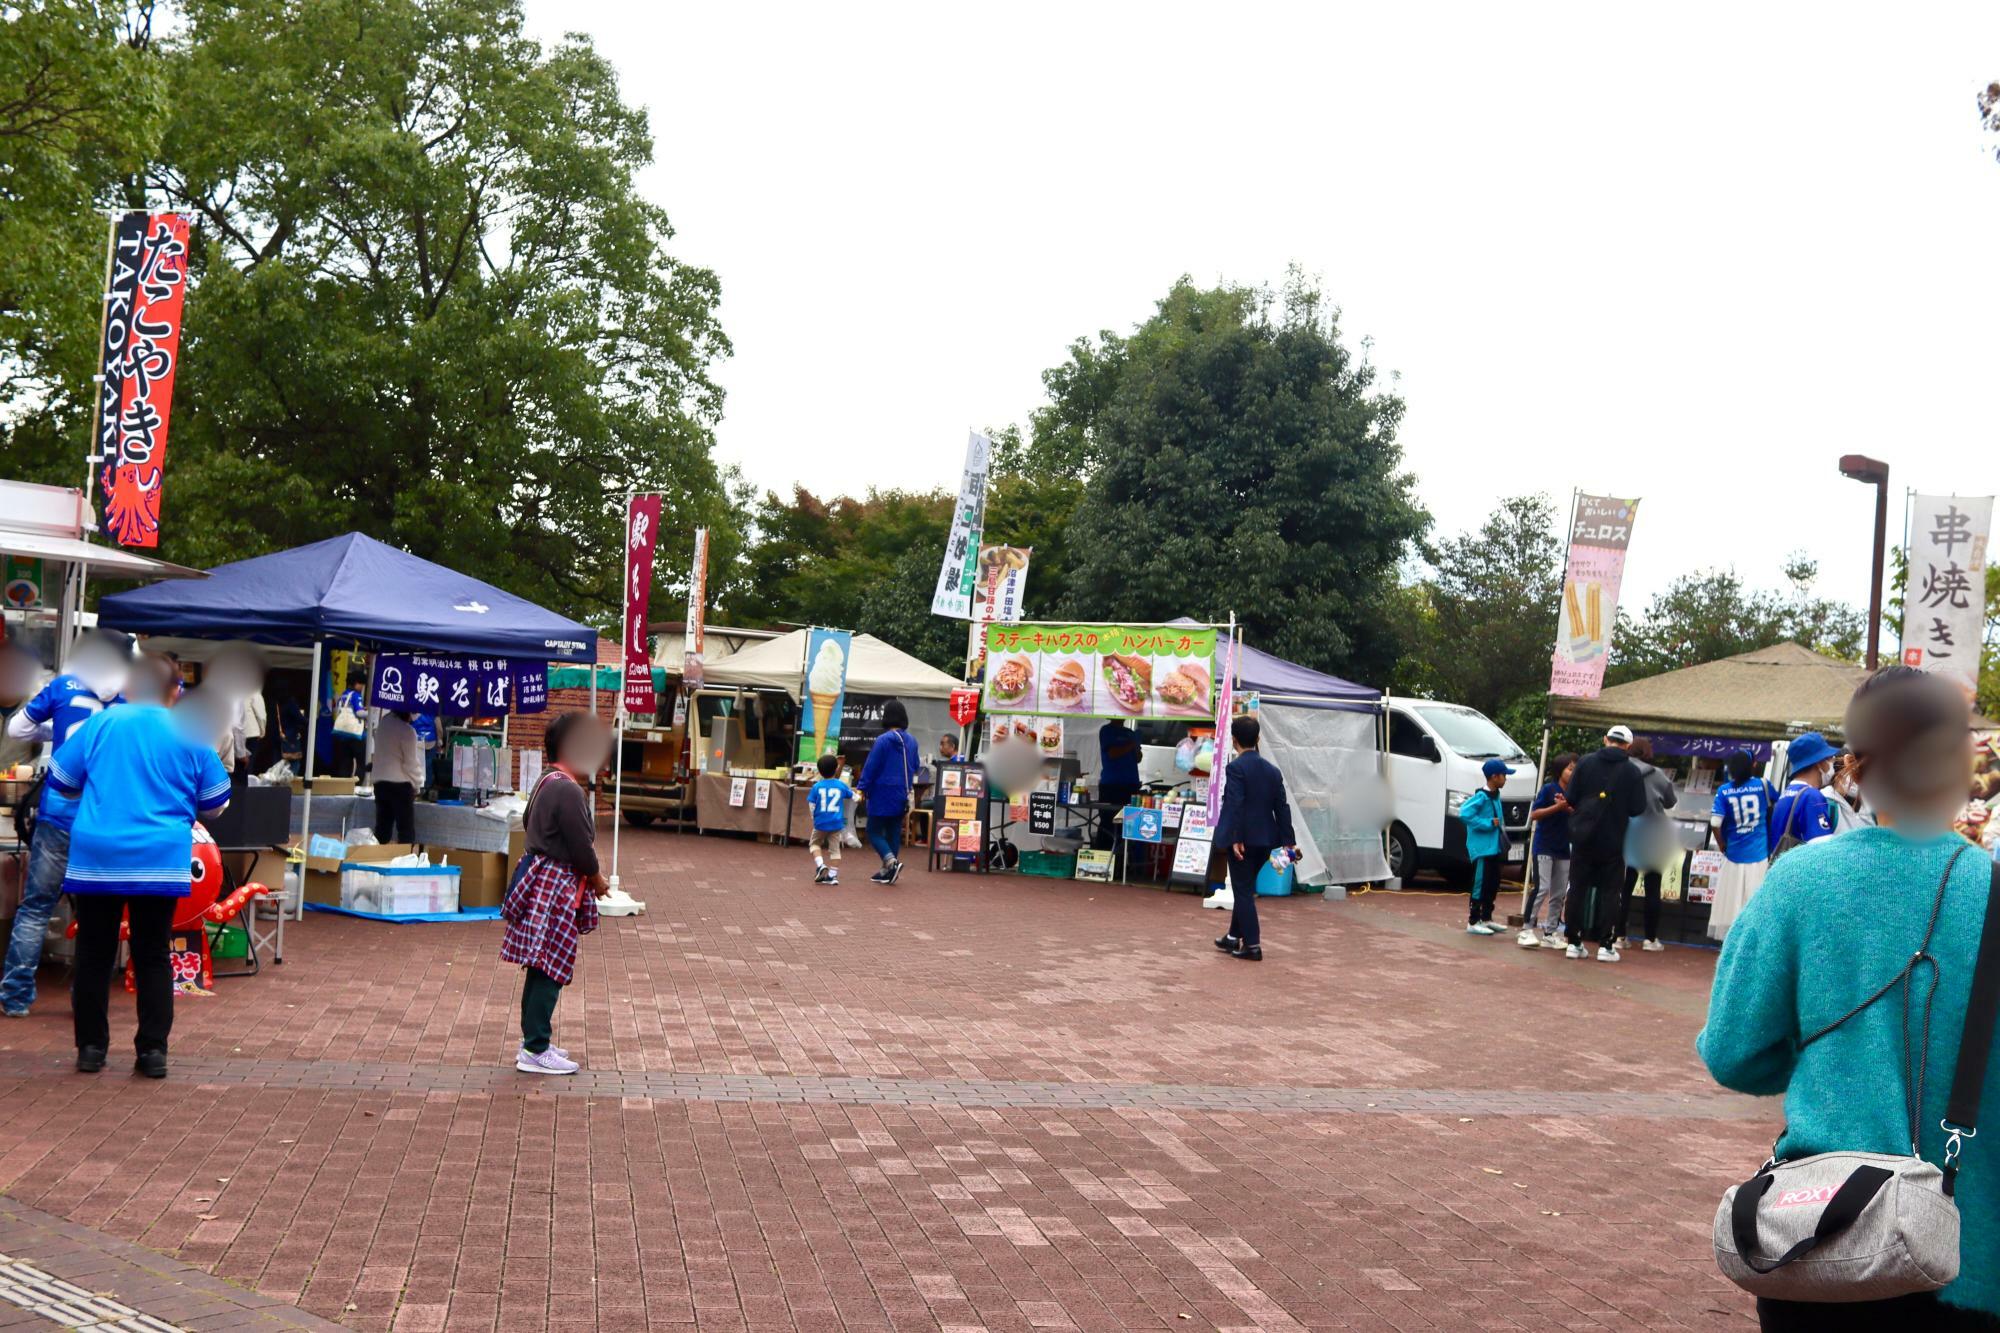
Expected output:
(97, 672)
(1802, 812)
(141, 779)
(1741, 824)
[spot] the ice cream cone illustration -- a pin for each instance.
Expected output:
(824, 683)
(822, 711)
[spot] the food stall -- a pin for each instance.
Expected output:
(356, 594)
(745, 721)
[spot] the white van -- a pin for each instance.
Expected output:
(1435, 754)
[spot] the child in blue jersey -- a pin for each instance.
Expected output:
(1485, 844)
(829, 799)
(97, 674)
(1741, 825)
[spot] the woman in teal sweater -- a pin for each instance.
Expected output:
(1834, 920)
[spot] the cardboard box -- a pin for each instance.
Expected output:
(486, 875)
(322, 877)
(325, 786)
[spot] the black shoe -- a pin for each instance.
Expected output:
(1249, 953)
(1227, 943)
(89, 1059)
(882, 877)
(895, 872)
(153, 1064)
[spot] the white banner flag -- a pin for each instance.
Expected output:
(697, 613)
(959, 572)
(1944, 602)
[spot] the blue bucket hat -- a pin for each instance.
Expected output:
(1492, 766)
(1807, 750)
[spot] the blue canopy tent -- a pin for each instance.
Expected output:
(356, 591)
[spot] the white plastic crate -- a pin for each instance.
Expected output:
(398, 890)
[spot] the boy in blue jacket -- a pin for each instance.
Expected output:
(1485, 844)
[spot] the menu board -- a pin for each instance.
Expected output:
(1058, 671)
(958, 826)
(1044, 733)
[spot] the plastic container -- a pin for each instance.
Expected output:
(398, 890)
(1273, 882)
(1050, 865)
(230, 941)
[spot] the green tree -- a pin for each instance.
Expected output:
(81, 111)
(427, 300)
(1234, 457)
(1712, 614)
(1494, 596)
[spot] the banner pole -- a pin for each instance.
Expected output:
(618, 704)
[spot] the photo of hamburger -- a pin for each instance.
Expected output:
(1185, 689)
(1012, 680)
(1024, 729)
(1127, 681)
(1067, 688)
(1052, 733)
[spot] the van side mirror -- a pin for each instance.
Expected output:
(1431, 751)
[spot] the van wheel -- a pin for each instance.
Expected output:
(639, 818)
(1402, 853)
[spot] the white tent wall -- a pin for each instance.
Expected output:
(1325, 753)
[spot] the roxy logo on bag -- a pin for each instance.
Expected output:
(1800, 1198)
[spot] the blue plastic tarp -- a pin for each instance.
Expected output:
(351, 589)
(469, 914)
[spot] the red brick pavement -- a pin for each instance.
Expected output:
(961, 1102)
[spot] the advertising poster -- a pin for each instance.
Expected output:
(1598, 537)
(697, 612)
(456, 686)
(145, 286)
(1704, 873)
(642, 535)
(1944, 607)
(1073, 671)
(21, 582)
(956, 576)
(827, 652)
(1044, 733)
(1219, 765)
(1000, 583)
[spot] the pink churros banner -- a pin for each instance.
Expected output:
(1599, 534)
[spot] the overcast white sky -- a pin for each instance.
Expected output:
(1691, 253)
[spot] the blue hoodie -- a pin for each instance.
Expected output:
(1481, 816)
(885, 781)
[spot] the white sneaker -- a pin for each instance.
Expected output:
(548, 1062)
(1554, 942)
(1222, 899)
(1653, 946)
(1527, 939)
(1487, 928)
(1474, 929)
(1574, 951)
(1607, 954)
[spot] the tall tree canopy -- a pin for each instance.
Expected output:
(1234, 456)
(426, 300)
(1492, 598)
(1712, 614)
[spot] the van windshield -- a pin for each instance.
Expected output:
(1470, 733)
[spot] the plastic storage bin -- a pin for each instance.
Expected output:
(1275, 883)
(398, 890)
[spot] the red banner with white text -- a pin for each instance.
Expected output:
(642, 534)
(145, 286)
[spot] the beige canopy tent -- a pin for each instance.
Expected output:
(1766, 695)
(873, 667)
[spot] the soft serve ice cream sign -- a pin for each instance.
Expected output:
(826, 683)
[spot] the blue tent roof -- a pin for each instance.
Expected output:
(351, 589)
(1267, 673)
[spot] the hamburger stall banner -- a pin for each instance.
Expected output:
(1600, 529)
(1056, 671)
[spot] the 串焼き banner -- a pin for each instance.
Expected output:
(1598, 536)
(144, 287)
(1051, 670)
(1944, 610)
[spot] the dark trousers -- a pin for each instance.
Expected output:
(348, 753)
(539, 993)
(1921, 1313)
(1243, 885)
(1595, 886)
(1119, 794)
(1652, 918)
(1485, 888)
(395, 812)
(885, 835)
(97, 917)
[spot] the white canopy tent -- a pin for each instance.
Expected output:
(873, 667)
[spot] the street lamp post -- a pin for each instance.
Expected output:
(1862, 468)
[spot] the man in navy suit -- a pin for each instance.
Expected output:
(1255, 819)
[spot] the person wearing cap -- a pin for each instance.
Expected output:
(1835, 920)
(1485, 844)
(1802, 813)
(1605, 795)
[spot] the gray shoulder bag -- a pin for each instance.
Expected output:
(1839, 1227)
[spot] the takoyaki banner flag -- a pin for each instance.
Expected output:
(145, 283)
(1598, 536)
(1100, 670)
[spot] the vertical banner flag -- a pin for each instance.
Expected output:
(1598, 536)
(642, 534)
(998, 587)
(1225, 701)
(697, 616)
(961, 549)
(826, 683)
(1944, 605)
(144, 287)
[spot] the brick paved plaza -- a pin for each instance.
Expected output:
(959, 1103)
